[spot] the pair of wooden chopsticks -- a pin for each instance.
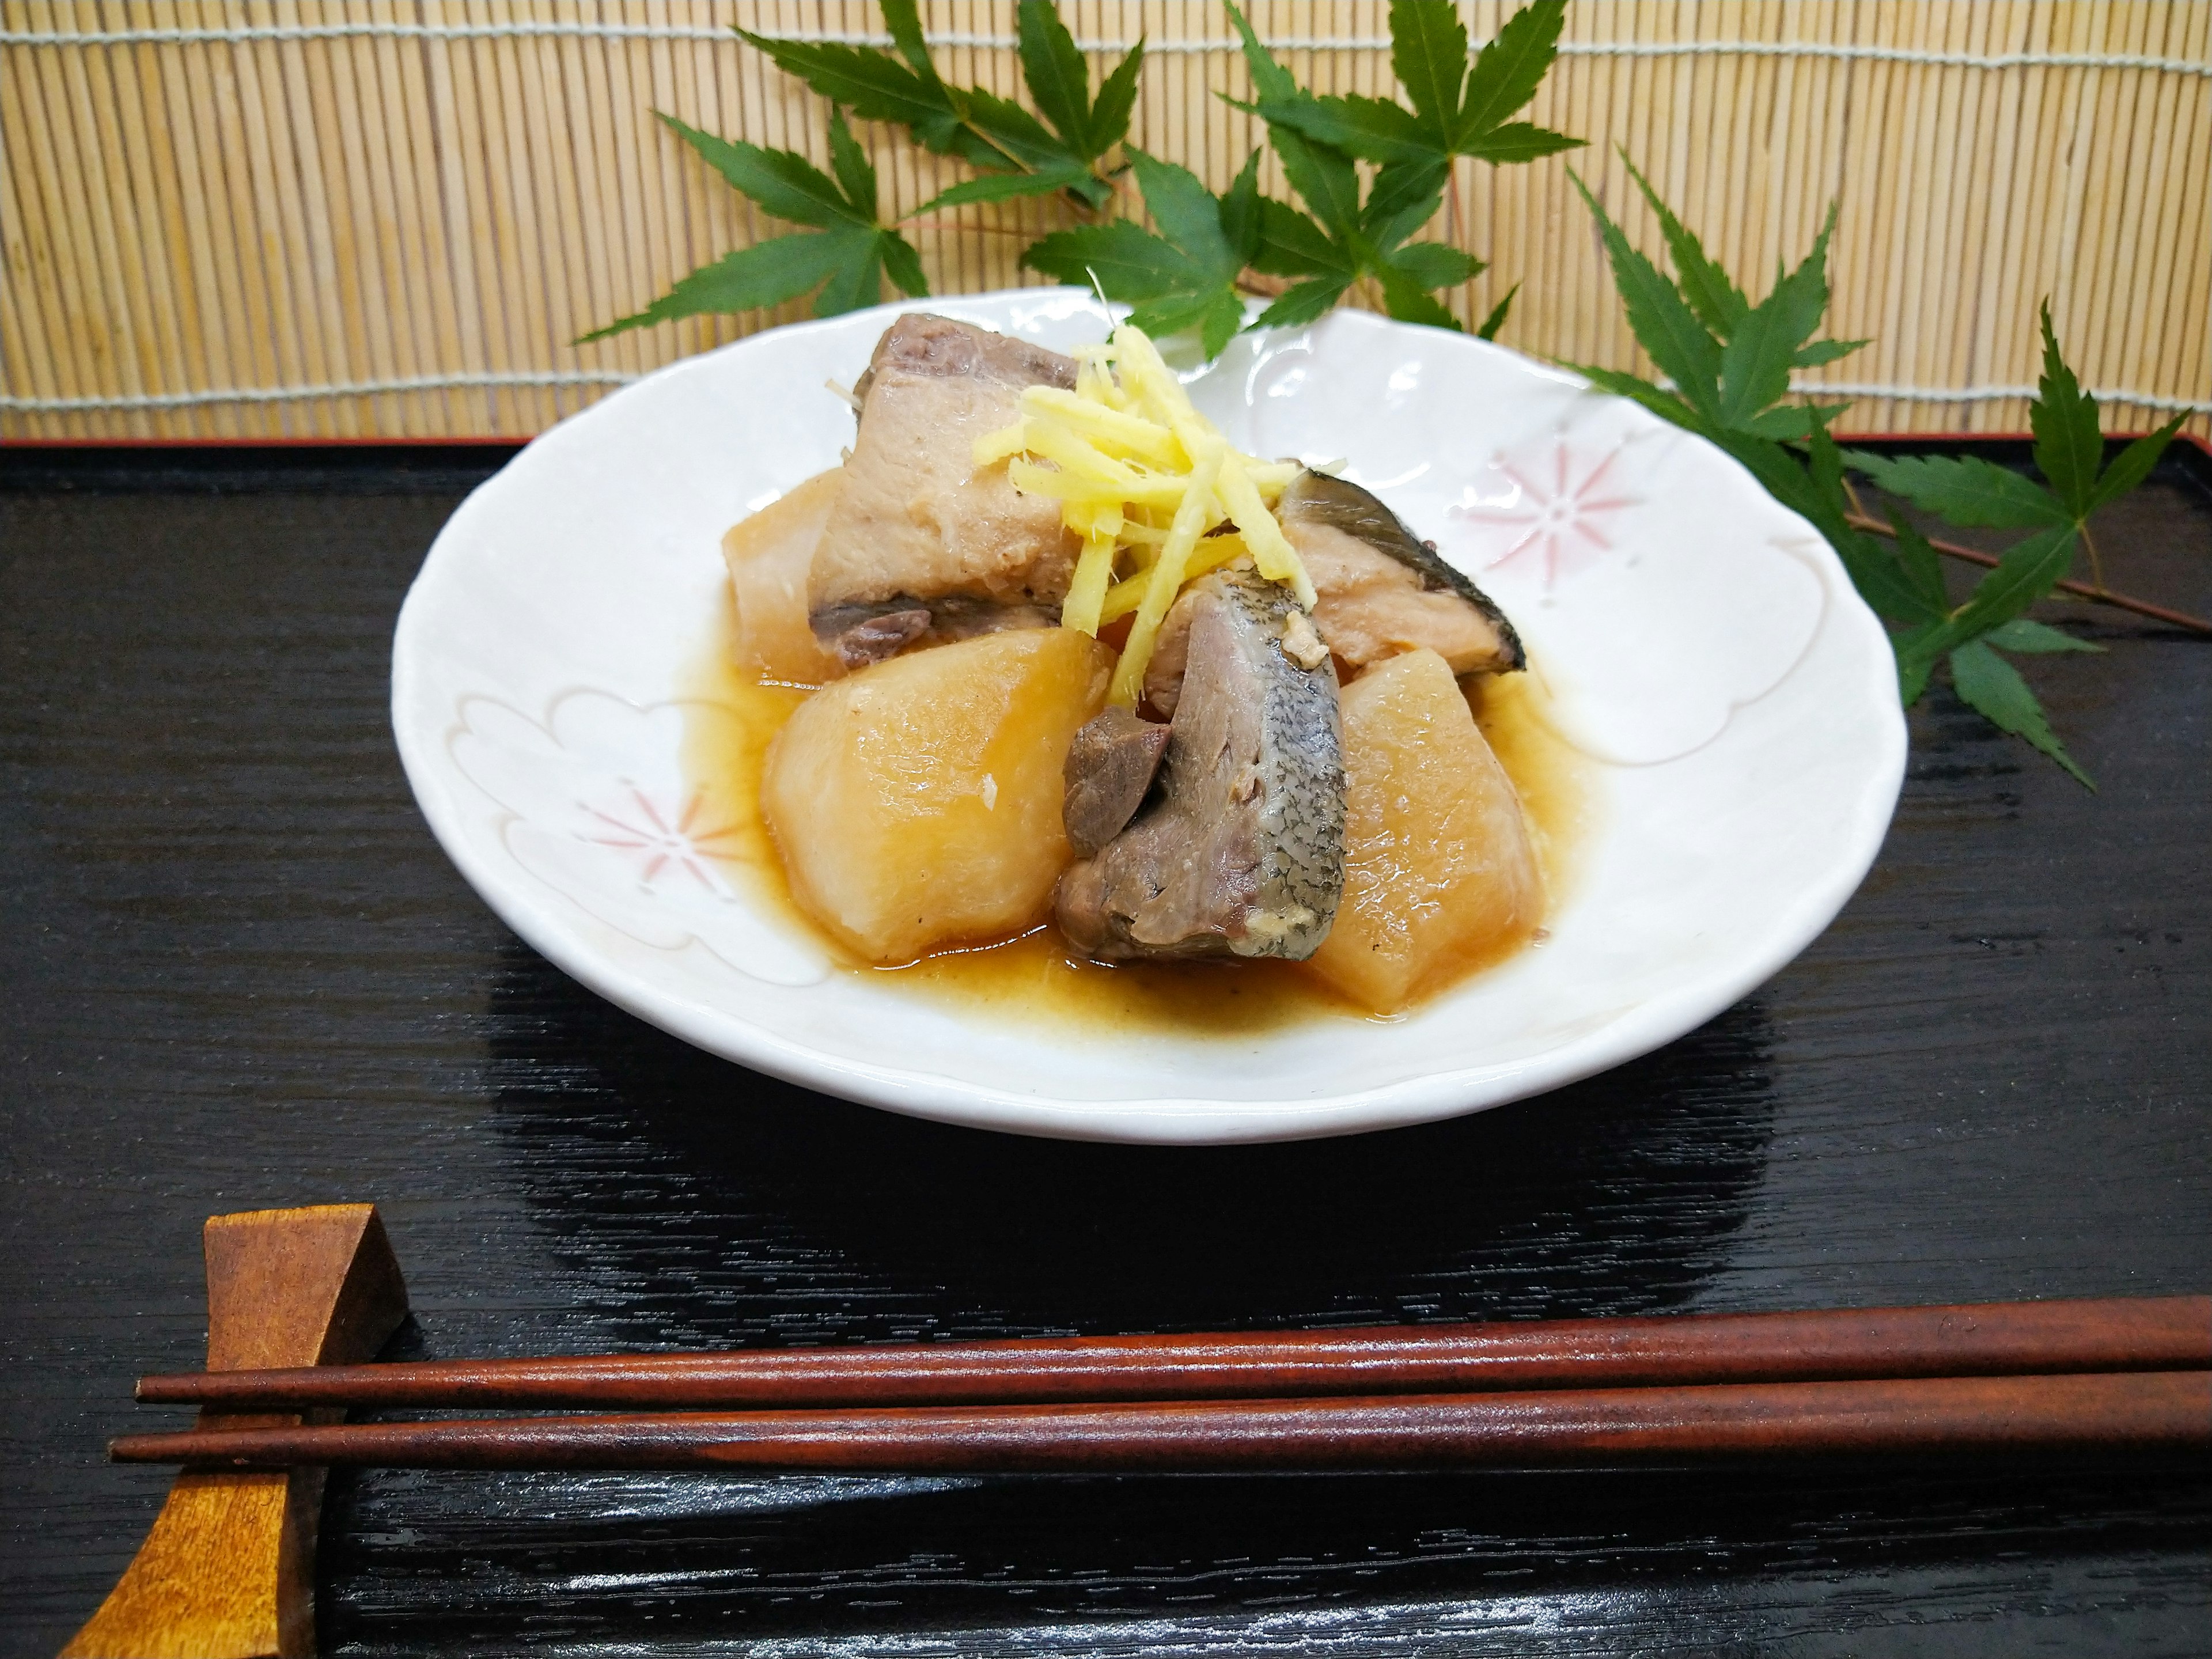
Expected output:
(2085, 1376)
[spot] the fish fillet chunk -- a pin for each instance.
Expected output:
(1239, 850)
(1381, 590)
(917, 520)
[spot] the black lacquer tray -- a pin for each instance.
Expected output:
(238, 973)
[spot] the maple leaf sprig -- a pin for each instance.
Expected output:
(845, 257)
(1457, 110)
(1187, 273)
(847, 248)
(1727, 364)
(1183, 277)
(1018, 154)
(2070, 453)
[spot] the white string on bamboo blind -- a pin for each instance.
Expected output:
(285, 217)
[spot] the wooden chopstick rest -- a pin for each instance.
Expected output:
(229, 1565)
(2147, 1333)
(2165, 1411)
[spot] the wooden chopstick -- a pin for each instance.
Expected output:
(2147, 1333)
(2166, 1413)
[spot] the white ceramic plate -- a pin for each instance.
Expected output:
(1700, 643)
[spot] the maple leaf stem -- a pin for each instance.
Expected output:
(993, 144)
(2079, 590)
(2096, 565)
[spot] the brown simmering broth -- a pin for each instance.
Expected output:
(729, 721)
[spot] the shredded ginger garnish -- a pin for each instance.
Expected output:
(1145, 479)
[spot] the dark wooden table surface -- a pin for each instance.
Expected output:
(240, 973)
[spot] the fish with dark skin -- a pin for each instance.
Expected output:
(1381, 590)
(1239, 850)
(1378, 589)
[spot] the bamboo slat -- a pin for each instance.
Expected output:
(390, 218)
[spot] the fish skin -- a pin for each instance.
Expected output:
(1317, 498)
(923, 343)
(1239, 851)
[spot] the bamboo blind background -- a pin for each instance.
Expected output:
(241, 218)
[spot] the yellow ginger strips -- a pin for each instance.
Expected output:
(995, 446)
(1165, 579)
(1277, 561)
(1110, 428)
(1102, 528)
(1149, 488)
(1146, 377)
(1094, 380)
(1211, 554)
(1074, 455)
(1137, 471)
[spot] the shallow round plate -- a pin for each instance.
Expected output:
(1699, 643)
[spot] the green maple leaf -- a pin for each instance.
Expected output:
(1185, 276)
(1059, 82)
(1686, 350)
(1763, 345)
(1456, 110)
(1728, 360)
(1018, 153)
(1349, 231)
(2027, 571)
(2031, 638)
(877, 86)
(1971, 490)
(1992, 687)
(1498, 313)
(1705, 288)
(845, 256)
(2069, 448)
(1966, 490)
(2070, 444)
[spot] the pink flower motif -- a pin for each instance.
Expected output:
(1559, 523)
(637, 825)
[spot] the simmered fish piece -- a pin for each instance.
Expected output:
(1240, 850)
(916, 520)
(1110, 771)
(1381, 590)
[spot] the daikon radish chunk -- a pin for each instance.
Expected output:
(770, 555)
(917, 802)
(1438, 872)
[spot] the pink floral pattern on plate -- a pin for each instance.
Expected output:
(1649, 619)
(665, 842)
(1647, 631)
(1561, 526)
(597, 807)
